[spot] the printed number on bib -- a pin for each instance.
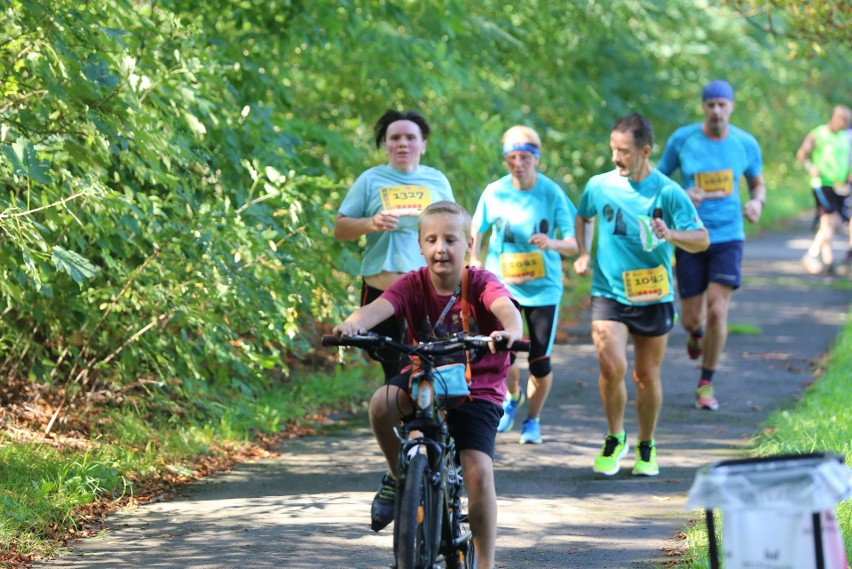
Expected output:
(719, 181)
(405, 200)
(519, 268)
(646, 285)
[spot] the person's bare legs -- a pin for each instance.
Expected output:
(478, 474)
(649, 353)
(692, 313)
(610, 339)
(538, 388)
(387, 405)
(513, 378)
(821, 245)
(716, 330)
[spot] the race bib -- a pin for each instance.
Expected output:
(719, 181)
(646, 285)
(519, 268)
(405, 200)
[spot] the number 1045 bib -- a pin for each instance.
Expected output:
(646, 285)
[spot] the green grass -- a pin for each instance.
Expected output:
(744, 329)
(820, 422)
(44, 489)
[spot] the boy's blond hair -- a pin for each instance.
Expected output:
(450, 208)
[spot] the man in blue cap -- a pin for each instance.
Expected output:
(713, 156)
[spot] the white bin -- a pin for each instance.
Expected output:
(778, 511)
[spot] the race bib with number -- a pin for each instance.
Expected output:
(405, 200)
(719, 181)
(646, 285)
(519, 268)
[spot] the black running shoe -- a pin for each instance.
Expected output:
(381, 513)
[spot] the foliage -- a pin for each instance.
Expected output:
(813, 24)
(171, 170)
(194, 245)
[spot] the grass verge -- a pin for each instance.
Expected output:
(56, 489)
(820, 422)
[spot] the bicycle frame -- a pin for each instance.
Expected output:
(426, 436)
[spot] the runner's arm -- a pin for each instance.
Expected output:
(565, 247)
(690, 240)
(476, 250)
(584, 241)
(803, 154)
(348, 228)
(757, 191)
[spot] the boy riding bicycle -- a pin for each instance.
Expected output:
(430, 300)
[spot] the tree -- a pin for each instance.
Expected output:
(171, 169)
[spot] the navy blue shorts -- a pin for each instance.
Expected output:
(472, 422)
(643, 320)
(720, 263)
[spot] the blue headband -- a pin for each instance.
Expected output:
(718, 90)
(523, 146)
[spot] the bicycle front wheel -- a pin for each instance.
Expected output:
(459, 539)
(419, 520)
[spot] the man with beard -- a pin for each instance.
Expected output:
(643, 214)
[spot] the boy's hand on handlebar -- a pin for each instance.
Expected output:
(347, 328)
(510, 335)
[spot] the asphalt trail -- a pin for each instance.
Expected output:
(309, 508)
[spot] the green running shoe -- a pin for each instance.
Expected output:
(614, 449)
(646, 459)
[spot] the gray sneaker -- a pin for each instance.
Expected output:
(381, 512)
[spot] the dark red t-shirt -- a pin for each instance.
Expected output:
(414, 298)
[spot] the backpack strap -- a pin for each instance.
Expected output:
(465, 313)
(465, 318)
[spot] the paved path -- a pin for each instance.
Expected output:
(308, 509)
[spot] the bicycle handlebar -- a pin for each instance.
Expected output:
(452, 345)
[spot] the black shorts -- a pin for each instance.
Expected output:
(393, 328)
(541, 326)
(827, 201)
(721, 263)
(472, 422)
(642, 320)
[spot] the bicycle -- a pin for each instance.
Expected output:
(430, 514)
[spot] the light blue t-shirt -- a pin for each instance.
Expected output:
(514, 216)
(381, 188)
(722, 163)
(620, 262)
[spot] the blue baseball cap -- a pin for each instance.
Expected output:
(717, 89)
